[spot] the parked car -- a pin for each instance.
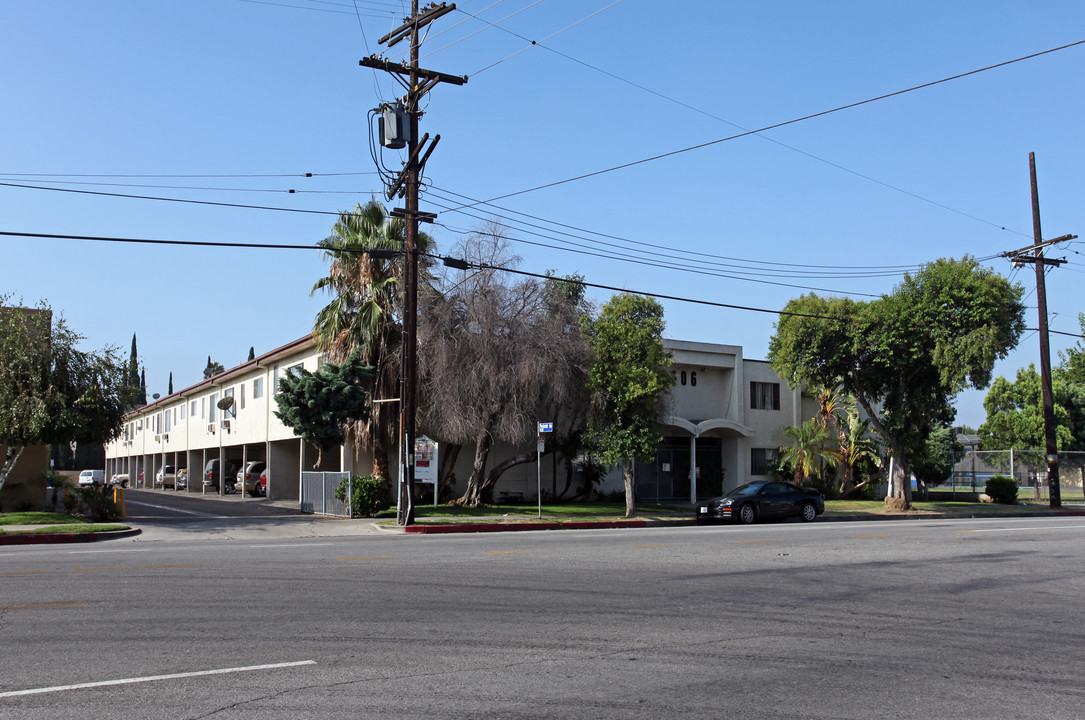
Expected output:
(165, 477)
(119, 480)
(181, 481)
(762, 500)
(263, 483)
(91, 477)
(248, 477)
(211, 474)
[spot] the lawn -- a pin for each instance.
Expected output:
(550, 513)
(51, 522)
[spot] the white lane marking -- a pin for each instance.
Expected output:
(152, 678)
(283, 545)
(174, 509)
(1023, 529)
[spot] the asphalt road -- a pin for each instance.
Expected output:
(917, 619)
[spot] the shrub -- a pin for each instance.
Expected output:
(1002, 489)
(369, 495)
(94, 502)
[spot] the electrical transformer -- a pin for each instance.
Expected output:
(395, 129)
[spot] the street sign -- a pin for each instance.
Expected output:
(546, 427)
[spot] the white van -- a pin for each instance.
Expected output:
(91, 477)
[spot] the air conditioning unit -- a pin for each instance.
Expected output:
(211, 428)
(226, 425)
(158, 438)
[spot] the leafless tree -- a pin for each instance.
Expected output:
(497, 354)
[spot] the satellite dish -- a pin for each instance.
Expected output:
(155, 396)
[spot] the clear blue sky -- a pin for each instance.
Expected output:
(218, 88)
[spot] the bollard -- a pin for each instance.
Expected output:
(118, 500)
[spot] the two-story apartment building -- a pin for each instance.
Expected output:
(723, 422)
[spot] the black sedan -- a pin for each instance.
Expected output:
(763, 499)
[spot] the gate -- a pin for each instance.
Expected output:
(318, 494)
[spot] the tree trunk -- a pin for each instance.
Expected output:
(10, 458)
(472, 496)
(900, 487)
(448, 462)
(381, 467)
(495, 474)
(630, 496)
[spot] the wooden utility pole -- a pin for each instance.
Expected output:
(419, 82)
(1035, 254)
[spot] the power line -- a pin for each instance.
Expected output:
(653, 245)
(757, 133)
(271, 246)
(781, 124)
(551, 35)
(167, 199)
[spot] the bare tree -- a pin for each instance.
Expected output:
(497, 355)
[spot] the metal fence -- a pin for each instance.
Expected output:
(1027, 467)
(318, 493)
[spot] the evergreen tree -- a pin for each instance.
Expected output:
(252, 353)
(171, 384)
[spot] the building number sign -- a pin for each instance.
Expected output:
(690, 377)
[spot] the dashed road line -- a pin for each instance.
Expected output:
(153, 678)
(42, 606)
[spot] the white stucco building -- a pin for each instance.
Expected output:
(724, 419)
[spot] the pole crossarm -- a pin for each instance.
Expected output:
(1032, 248)
(416, 23)
(1022, 259)
(403, 68)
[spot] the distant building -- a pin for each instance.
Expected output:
(724, 421)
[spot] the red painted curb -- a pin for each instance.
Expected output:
(17, 538)
(45, 538)
(516, 526)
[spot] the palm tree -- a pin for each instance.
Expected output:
(856, 443)
(364, 312)
(808, 450)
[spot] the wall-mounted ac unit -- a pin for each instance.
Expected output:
(211, 428)
(226, 425)
(158, 438)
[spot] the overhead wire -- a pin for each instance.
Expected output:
(272, 246)
(822, 113)
(551, 35)
(810, 155)
(667, 248)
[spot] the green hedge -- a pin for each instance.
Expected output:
(369, 495)
(1002, 489)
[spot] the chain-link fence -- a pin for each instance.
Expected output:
(1027, 467)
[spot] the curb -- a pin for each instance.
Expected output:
(520, 526)
(17, 538)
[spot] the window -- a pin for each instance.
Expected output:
(232, 410)
(203, 408)
(257, 388)
(761, 460)
(242, 396)
(291, 371)
(182, 411)
(764, 396)
(169, 416)
(192, 408)
(213, 414)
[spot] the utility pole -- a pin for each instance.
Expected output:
(419, 82)
(1035, 254)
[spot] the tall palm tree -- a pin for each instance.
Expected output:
(364, 313)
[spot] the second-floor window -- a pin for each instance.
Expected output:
(764, 396)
